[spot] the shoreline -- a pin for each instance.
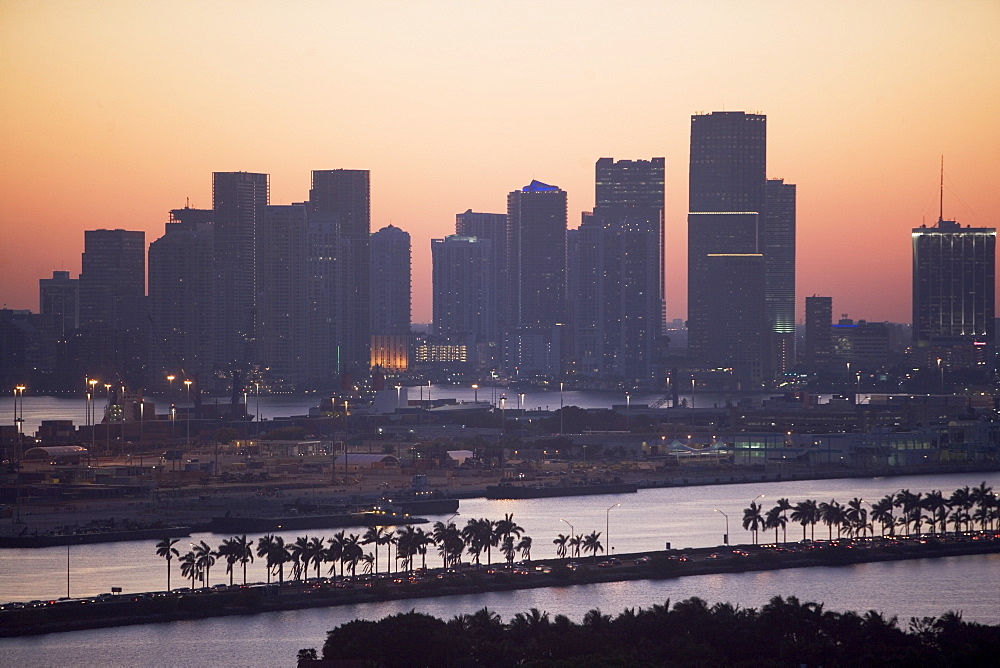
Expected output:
(178, 605)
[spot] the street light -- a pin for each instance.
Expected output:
(628, 404)
(692, 391)
(503, 413)
(725, 537)
(571, 529)
(475, 393)
(107, 427)
(607, 525)
(187, 383)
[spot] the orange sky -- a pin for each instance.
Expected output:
(115, 112)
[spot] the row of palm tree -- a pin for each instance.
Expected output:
(963, 509)
(347, 552)
(572, 545)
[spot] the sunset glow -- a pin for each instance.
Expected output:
(116, 112)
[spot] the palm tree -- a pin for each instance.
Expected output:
(592, 543)
(335, 552)
(367, 560)
(962, 499)
(774, 519)
(449, 542)
(243, 549)
(752, 520)
(422, 541)
(857, 516)
(982, 497)
(508, 549)
(315, 553)
(832, 514)
(374, 537)
(882, 512)
(265, 544)
(575, 543)
(507, 527)
(905, 501)
(189, 566)
(805, 512)
(560, 543)
(227, 551)
(524, 545)
(353, 552)
(165, 548)
(785, 506)
(934, 503)
(298, 552)
(477, 535)
(277, 557)
(206, 559)
(406, 546)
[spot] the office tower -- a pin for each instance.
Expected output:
(779, 273)
(490, 227)
(390, 281)
(860, 346)
(726, 203)
(954, 274)
(340, 215)
(238, 201)
(465, 307)
(536, 288)
(59, 297)
(181, 298)
(112, 306)
(618, 300)
(736, 311)
(818, 344)
(281, 262)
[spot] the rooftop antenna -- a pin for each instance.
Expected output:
(941, 195)
(187, 202)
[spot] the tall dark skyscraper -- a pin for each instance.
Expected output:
(238, 201)
(465, 294)
(726, 205)
(181, 301)
(779, 273)
(281, 306)
(340, 201)
(536, 268)
(59, 297)
(736, 312)
(390, 281)
(618, 301)
(112, 305)
(818, 343)
(954, 278)
(491, 227)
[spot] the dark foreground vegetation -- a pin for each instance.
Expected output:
(784, 632)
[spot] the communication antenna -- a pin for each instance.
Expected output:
(941, 193)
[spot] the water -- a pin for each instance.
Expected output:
(968, 584)
(38, 408)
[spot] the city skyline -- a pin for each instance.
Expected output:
(122, 111)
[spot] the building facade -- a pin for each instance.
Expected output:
(779, 274)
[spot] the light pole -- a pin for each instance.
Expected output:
(941, 374)
(187, 384)
(607, 526)
(19, 420)
(475, 393)
(692, 391)
(107, 426)
(257, 407)
(170, 381)
(628, 405)
(725, 537)
(572, 531)
(399, 389)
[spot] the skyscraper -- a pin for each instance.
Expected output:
(619, 307)
(59, 296)
(736, 311)
(341, 200)
(181, 301)
(112, 303)
(281, 262)
(238, 201)
(779, 273)
(954, 276)
(726, 204)
(536, 268)
(390, 281)
(464, 291)
(818, 343)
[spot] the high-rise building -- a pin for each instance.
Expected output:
(59, 296)
(465, 307)
(736, 310)
(238, 201)
(340, 202)
(618, 300)
(390, 281)
(536, 288)
(112, 304)
(181, 297)
(954, 283)
(818, 342)
(779, 273)
(726, 205)
(281, 267)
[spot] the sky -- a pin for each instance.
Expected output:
(113, 113)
